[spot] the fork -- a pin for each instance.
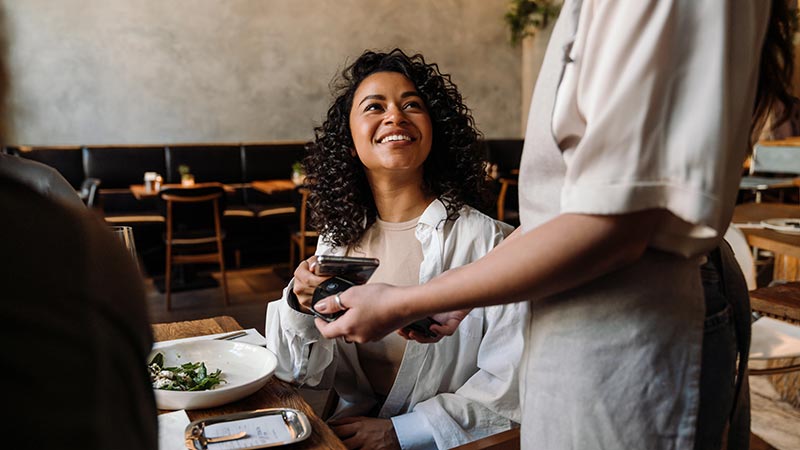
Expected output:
(230, 336)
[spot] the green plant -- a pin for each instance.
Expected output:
(297, 168)
(183, 169)
(526, 16)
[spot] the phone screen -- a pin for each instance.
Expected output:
(358, 270)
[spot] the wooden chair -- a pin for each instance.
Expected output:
(782, 303)
(302, 241)
(770, 157)
(194, 232)
(504, 213)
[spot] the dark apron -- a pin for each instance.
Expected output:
(724, 413)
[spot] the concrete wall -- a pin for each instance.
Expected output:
(160, 71)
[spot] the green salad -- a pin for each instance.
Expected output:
(191, 376)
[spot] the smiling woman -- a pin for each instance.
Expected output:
(341, 201)
(393, 172)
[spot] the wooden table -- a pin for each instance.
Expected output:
(781, 301)
(785, 246)
(275, 394)
(141, 193)
(273, 186)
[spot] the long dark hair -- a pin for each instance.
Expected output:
(341, 202)
(776, 68)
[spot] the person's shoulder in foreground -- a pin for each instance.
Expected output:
(75, 328)
(39, 177)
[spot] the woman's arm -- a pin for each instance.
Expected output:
(561, 254)
(304, 356)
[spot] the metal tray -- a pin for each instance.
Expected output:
(264, 428)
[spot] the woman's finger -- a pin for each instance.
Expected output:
(345, 430)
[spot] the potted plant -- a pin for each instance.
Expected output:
(187, 179)
(298, 173)
(524, 17)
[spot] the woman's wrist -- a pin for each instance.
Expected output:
(412, 303)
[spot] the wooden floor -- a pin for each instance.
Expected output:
(249, 290)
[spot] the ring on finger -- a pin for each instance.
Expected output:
(338, 301)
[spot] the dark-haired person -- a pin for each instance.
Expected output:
(639, 124)
(73, 318)
(392, 173)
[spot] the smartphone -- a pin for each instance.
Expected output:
(358, 270)
(423, 327)
(345, 272)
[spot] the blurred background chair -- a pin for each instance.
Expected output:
(194, 232)
(775, 343)
(781, 158)
(302, 241)
(88, 192)
(507, 199)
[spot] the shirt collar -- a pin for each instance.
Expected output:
(434, 214)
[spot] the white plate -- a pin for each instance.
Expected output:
(772, 338)
(787, 225)
(246, 368)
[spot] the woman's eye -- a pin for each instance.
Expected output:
(373, 107)
(416, 105)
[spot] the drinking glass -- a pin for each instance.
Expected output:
(125, 236)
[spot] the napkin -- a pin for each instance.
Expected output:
(252, 337)
(171, 428)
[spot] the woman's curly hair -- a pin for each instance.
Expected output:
(341, 202)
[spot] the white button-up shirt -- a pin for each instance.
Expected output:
(459, 389)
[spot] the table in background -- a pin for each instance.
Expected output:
(273, 186)
(275, 394)
(139, 191)
(780, 300)
(785, 246)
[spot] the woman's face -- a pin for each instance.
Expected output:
(390, 125)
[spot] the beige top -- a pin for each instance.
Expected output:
(400, 254)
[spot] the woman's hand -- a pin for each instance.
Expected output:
(448, 324)
(366, 433)
(305, 282)
(373, 311)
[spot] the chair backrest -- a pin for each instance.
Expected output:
(775, 159)
(193, 210)
(211, 162)
(67, 160)
(88, 191)
(744, 256)
(270, 161)
(301, 203)
(505, 153)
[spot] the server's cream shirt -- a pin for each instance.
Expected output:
(645, 104)
(639, 104)
(460, 389)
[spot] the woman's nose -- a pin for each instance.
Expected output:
(395, 115)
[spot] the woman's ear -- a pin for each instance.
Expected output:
(353, 153)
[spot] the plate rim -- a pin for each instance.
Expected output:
(770, 224)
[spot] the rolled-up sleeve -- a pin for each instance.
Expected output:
(303, 354)
(653, 112)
